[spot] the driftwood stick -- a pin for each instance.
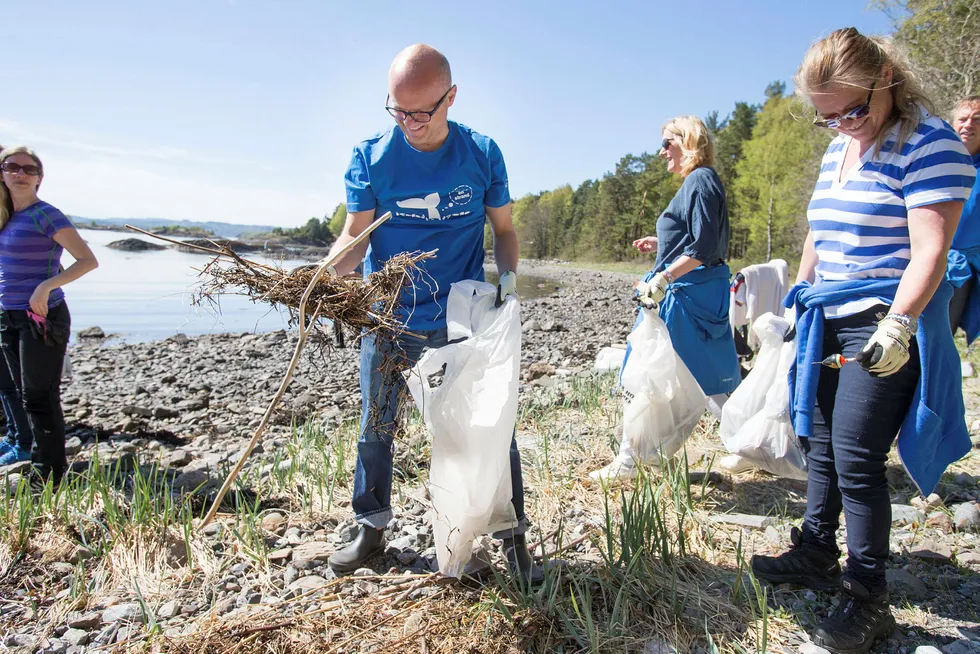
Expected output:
(304, 330)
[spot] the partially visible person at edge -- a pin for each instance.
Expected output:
(18, 427)
(34, 322)
(871, 287)
(441, 181)
(689, 280)
(963, 267)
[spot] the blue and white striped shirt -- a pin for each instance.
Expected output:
(859, 222)
(29, 255)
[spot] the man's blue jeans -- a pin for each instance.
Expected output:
(381, 393)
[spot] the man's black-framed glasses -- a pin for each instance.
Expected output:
(417, 116)
(857, 112)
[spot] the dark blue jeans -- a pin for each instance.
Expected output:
(381, 395)
(858, 417)
(35, 367)
(18, 427)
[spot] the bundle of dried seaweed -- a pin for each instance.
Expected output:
(359, 304)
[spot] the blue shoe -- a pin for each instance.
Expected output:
(15, 455)
(6, 446)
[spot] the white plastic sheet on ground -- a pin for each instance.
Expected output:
(662, 402)
(471, 415)
(756, 421)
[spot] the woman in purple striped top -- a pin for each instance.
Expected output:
(34, 319)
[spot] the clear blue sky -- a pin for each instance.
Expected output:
(246, 111)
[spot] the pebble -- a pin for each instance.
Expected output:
(903, 514)
(902, 583)
(966, 517)
(77, 637)
(274, 522)
(130, 612)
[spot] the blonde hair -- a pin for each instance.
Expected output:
(849, 58)
(6, 202)
(696, 144)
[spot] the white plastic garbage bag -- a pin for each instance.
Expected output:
(609, 359)
(766, 438)
(750, 396)
(467, 392)
(662, 402)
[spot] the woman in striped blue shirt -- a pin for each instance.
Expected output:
(34, 320)
(871, 288)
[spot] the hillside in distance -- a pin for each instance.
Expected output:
(223, 230)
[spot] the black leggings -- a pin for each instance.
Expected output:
(35, 364)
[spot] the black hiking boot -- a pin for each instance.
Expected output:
(369, 542)
(521, 564)
(859, 620)
(804, 565)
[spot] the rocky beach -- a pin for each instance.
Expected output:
(178, 412)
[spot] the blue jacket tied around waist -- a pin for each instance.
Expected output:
(934, 432)
(695, 311)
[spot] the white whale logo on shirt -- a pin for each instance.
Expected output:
(429, 202)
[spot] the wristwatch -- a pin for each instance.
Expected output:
(911, 324)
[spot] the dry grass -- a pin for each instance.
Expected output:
(629, 565)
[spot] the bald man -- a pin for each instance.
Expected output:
(441, 181)
(963, 269)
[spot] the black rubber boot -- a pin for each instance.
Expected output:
(859, 620)
(369, 542)
(803, 565)
(522, 566)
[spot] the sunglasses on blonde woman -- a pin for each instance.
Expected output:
(834, 121)
(11, 167)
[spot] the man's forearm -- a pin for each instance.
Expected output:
(356, 223)
(506, 251)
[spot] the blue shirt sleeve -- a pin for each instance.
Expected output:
(360, 195)
(52, 220)
(705, 206)
(499, 192)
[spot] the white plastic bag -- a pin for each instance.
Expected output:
(471, 415)
(750, 396)
(609, 359)
(767, 438)
(662, 402)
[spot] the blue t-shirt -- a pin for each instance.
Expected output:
(437, 201)
(968, 232)
(29, 255)
(695, 223)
